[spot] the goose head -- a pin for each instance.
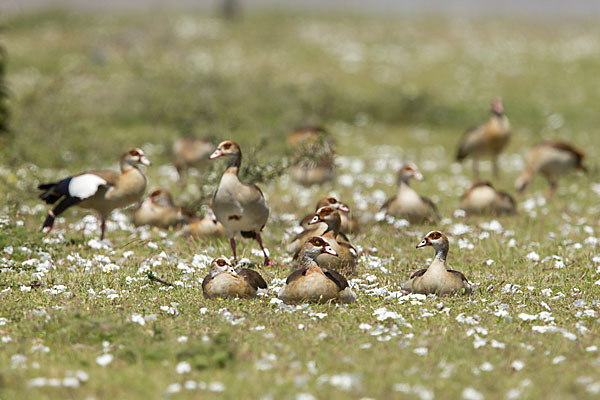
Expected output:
(226, 148)
(316, 245)
(497, 107)
(135, 156)
(327, 215)
(436, 239)
(409, 171)
(161, 197)
(220, 264)
(333, 203)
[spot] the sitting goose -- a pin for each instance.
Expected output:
(190, 151)
(158, 210)
(437, 278)
(102, 191)
(481, 198)
(349, 223)
(486, 139)
(346, 253)
(407, 203)
(240, 207)
(311, 283)
(551, 159)
(204, 227)
(224, 282)
(318, 227)
(313, 162)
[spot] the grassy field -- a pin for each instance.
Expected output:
(80, 319)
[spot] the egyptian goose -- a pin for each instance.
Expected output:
(225, 282)
(190, 152)
(311, 283)
(346, 253)
(482, 198)
(551, 159)
(349, 223)
(313, 162)
(204, 227)
(437, 279)
(488, 139)
(240, 207)
(407, 203)
(102, 191)
(158, 210)
(330, 223)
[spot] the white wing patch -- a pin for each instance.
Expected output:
(84, 186)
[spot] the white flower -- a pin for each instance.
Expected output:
(533, 256)
(420, 351)
(471, 394)
(517, 365)
(104, 359)
(138, 318)
(216, 387)
(183, 367)
(173, 388)
(70, 382)
(558, 359)
(344, 381)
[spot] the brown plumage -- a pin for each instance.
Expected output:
(311, 283)
(191, 152)
(483, 198)
(102, 191)
(240, 207)
(225, 282)
(488, 139)
(313, 156)
(349, 223)
(159, 210)
(551, 159)
(407, 203)
(437, 279)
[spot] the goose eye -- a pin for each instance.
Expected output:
(226, 146)
(318, 242)
(220, 263)
(435, 235)
(332, 200)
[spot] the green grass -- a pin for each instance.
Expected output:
(85, 87)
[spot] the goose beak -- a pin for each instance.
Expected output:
(423, 243)
(329, 250)
(144, 160)
(343, 208)
(217, 153)
(418, 176)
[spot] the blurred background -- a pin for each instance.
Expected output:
(391, 80)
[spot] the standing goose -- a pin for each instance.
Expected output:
(102, 191)
(483, 198)
(240, 207)
(551, 159)
(223, 281)
(487, 139)
(437, 279)
(409, 204)
(349, 223)
(158, 210)
(311, 283)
